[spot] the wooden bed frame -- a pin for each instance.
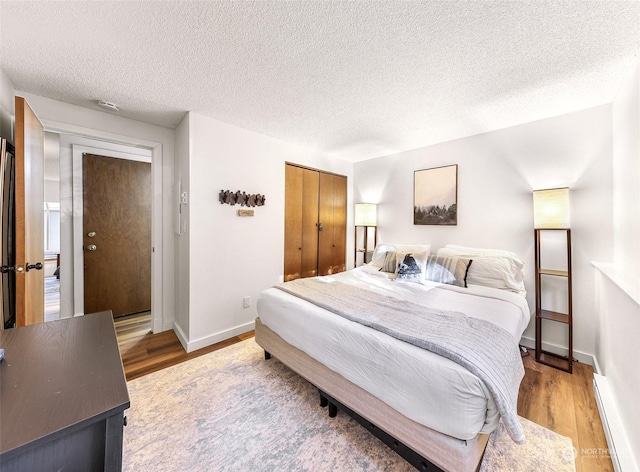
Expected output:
(427, 449)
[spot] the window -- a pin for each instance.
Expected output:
(51, 229)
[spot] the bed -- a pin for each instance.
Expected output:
(433, 411)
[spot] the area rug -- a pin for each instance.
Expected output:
(231, 410)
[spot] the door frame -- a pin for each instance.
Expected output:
(78, 152)
(113, 140)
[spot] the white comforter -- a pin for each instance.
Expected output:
(423, 386)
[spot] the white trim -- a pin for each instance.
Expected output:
(213, 338)
(165, 326)
(157, 268)
(626, 283)
(90, 133)
(619, 448)
(181, 336)
(582, 357)
(596, 366)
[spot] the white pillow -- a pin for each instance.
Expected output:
(382, 248)
(474, 251)
(491, 267)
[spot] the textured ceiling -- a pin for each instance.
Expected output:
(357, 79)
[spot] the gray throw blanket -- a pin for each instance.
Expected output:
(486, 350)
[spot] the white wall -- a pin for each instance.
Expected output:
(626, 168)
(51, 167)
(497, 172)
(619, 303)
(181, 225)
(7, 107)
(83, 123)
(232, 257)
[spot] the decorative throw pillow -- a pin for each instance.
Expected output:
(410, 266)
(382, 248)
(447, 270)
(389, 264)
(491, 268)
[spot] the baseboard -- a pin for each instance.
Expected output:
(166, 325)
(217, 337)
(582, 357)
(181, 336)
(596, 366)
(619, 449)
(159, 325)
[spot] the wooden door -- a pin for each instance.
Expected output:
(333, 217)
(301, 218)
(116, 235)
(29, 215)
(293, 222)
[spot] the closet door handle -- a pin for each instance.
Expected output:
(320, 227)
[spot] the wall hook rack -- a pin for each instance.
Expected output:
(241, 198)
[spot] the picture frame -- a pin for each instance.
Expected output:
(435, 196)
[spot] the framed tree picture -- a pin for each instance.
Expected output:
(435, 196)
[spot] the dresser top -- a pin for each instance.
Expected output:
(58, 375)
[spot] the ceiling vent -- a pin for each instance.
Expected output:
(108, 105)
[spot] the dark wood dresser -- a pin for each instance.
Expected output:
(63, 396)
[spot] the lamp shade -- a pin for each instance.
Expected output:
(551, 208)
(366, 214)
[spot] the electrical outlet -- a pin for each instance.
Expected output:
(246, 302)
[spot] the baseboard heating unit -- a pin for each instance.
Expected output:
(618, 444)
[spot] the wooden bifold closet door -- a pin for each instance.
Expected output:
(332, 213)
(315, 223)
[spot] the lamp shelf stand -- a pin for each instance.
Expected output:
(366, 216)
(366, 249)
(558, 361)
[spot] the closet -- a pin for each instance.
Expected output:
(315, 228)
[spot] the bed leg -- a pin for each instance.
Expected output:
(323, 400)
(333, 410)
(267, 355)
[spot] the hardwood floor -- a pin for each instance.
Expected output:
(144, 352)
(565, 403)
(562, 402)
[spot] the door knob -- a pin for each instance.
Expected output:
(92, 247)
(4, 269)
(36, 266)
